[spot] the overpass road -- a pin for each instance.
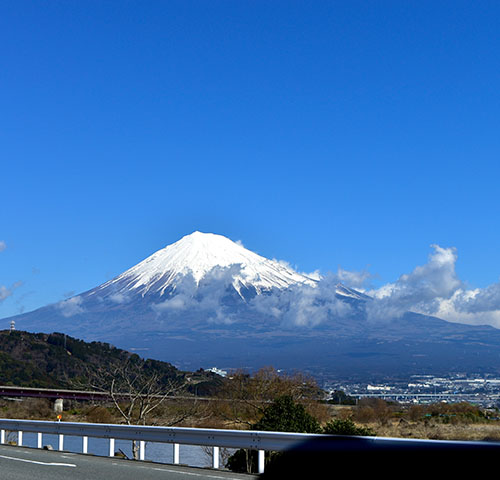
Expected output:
(22, 463)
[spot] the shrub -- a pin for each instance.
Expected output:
(283, 415)
(341, 398)
(99, 414)
(373, 409)
(346, 427)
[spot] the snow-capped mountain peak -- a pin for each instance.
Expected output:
(198, 254)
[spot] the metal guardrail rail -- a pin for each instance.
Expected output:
(215, 438)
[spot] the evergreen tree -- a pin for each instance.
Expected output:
(282, 415)
(346, 427)
(285, 415)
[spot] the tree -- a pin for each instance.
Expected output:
(137, 388)
(284, 414)
(373, 409)
(346, 427)
(339, 397)
(244, 397)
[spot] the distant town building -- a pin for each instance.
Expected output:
(218, 371)
(378, 388)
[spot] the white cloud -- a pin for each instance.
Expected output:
(353, 279)
(209, 296)
(119, 298)
(71, 306)
(178, 302)
(316, 275)
(6, 292)
(420, 291)
(303, 305)
(433, 288)
(473, 306)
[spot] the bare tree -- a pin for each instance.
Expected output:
(244, 397)
(137, 389)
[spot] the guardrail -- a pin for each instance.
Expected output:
(253, 440)
(215, 438)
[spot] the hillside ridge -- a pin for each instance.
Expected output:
(56, 360)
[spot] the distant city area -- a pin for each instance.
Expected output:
(480, 389)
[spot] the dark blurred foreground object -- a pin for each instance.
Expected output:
(358, 457)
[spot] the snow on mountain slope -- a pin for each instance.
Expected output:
(343, 291)
(197, 255)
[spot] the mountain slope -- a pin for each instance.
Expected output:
(60, 361)
(197, 255)
(206, 300)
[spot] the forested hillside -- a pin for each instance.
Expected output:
(57, 360)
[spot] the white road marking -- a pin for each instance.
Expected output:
(47, 464)
(194, 474)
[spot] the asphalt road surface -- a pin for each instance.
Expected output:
(22, 463)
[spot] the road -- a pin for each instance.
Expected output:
(22, 463)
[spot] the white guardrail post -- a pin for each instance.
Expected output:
(261, 461)
(176, 454)
(142, 450)
(111, 447)
(215, 457)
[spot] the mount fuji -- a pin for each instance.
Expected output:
(206, 300)
(197, 255)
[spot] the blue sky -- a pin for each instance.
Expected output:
(331, 133)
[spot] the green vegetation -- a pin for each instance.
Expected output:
(151, 392)
(340, 398)
(58, 361)
(282, 415)
(448, 413)
(346, 427)
(286, 415)
(244, 397)
(380, 412)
